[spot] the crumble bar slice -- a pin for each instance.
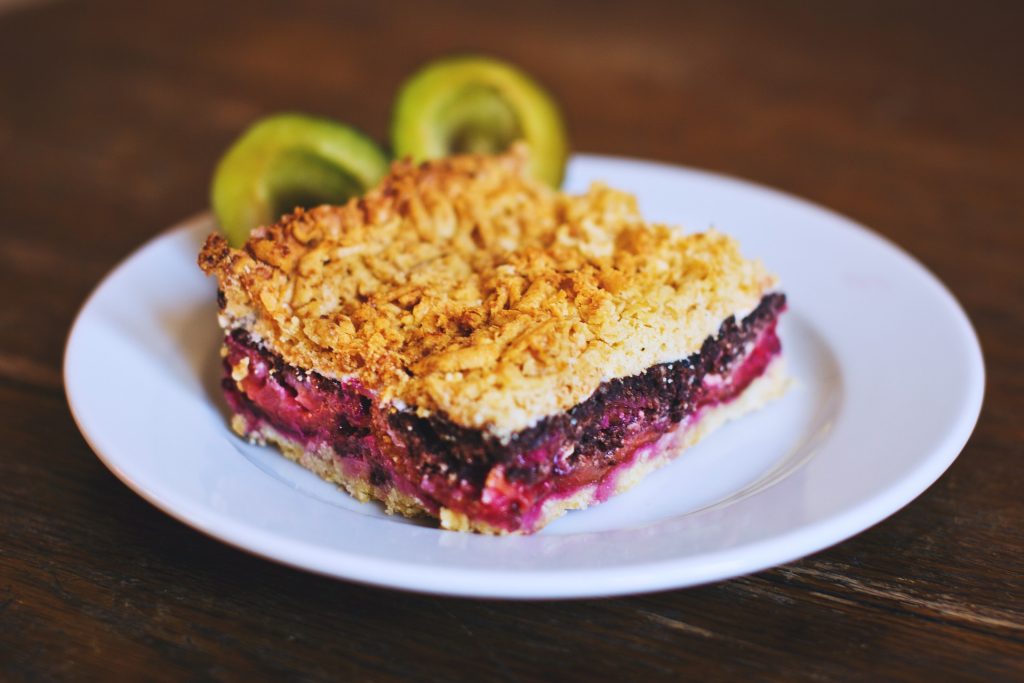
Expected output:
(466, 343)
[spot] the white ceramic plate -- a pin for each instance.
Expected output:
(889, 383)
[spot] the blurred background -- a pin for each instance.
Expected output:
(904, 115)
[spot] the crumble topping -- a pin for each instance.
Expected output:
(463, 287)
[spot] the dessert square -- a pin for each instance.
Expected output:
(466, 343)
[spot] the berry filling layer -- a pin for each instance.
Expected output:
(493, 484)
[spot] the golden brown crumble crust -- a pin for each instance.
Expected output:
(463, 287)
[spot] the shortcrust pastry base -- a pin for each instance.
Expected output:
(328, 465)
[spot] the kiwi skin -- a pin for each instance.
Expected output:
(473, 103)
(288, 160)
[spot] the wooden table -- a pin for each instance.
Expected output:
(905, 116)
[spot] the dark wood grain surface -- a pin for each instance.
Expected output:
(905, 116)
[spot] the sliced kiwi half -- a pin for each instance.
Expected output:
(482, 105)
(289, 160)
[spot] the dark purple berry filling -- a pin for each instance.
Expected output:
(500, 482)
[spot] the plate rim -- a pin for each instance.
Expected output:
(566, 584)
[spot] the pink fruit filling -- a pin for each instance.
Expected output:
(500, 482)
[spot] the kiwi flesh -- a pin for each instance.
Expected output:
(289, 160)
(479, 104)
